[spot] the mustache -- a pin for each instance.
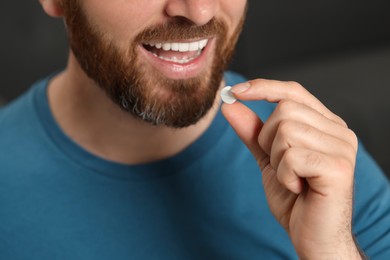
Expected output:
(181, 29)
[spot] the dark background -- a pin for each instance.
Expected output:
(339, 50)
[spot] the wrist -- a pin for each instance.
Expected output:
(348, 250)
(352, 254)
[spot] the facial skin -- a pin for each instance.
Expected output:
(119, 52)
(306, 153)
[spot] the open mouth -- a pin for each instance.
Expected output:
(177, 52)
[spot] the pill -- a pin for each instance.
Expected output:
(227, 95)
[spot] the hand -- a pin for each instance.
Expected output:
(307, 158)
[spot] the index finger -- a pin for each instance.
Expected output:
(275, 91)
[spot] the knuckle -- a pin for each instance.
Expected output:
(286, 127)
(306, 129)
(296, 86)
(350, 151)
(353, 139)
(344, 168)
(340, 121)
(281, 176)
(313, 160)
(290, 130)
(264, 142)
(289, 158)
(351, 142)
(285, 106)
(257, 81)
(284, 176)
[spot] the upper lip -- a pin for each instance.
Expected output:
(194, 45)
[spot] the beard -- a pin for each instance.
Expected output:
(134, 85)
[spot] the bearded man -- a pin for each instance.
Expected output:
(128, 153)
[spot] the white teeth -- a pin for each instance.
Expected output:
(175, 46)
(176, 60)
(181, 46)
(166, 46)
(203, 43)
(194, 46)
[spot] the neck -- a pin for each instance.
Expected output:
(92, 120)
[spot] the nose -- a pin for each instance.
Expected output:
(199, 12)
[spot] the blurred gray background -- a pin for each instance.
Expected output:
(339, 50)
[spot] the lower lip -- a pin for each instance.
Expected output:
(176, 70)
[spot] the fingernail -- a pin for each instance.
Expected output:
(240, 88)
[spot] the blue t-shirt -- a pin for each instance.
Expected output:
(58, 201)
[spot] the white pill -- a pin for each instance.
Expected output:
(227, 95)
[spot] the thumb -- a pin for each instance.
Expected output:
(247, 125)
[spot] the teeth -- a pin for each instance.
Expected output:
(176, 60)
(175, 47)
(184, 47)
(203, 43)
(166, 46)
(194, 46)
(181, 46)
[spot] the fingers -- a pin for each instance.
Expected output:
(247, 125)
(288, 110)
(297, 134)
(307, 156)
(276, 91)
(302, 141)
(324, 173)
(294, 103)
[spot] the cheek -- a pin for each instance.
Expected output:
(120, 21)
(234, 11)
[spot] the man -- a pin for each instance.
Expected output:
(126, 154)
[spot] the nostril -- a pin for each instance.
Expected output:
(198, 12)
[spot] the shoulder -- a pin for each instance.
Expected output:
(13, 116)
(16, 114)
(24, 108)
(20, 131)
